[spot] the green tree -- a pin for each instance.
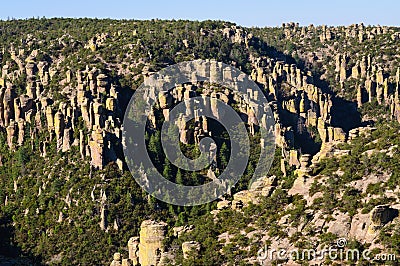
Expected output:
(179, 178)
(224, 155)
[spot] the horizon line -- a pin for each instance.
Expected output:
(2, 19)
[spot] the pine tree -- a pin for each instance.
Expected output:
(224, 155)
(179, 178)
(167, 172)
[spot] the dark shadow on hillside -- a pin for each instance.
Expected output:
(302, 138)
(11, 255)
(344, 113)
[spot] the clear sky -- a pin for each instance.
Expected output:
(245, 13)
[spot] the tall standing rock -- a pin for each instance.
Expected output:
(360, 99)
(8, 103)
(50, 119)
(66, 140)
(133, 248)
(151, 244)
(343, 71)
(11, 132)
(371, 89)
(59, 126)
(96, 145)
(102, 83)
(379, 76)
(21, 131)
(355, 71)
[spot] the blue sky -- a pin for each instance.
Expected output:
(245, 13)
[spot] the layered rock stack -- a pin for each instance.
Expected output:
(91, 117)
(381, 215)
(378, 85)
(151, 244)
(38, 110)
(303, 100)
(146, 250)
(133, 248)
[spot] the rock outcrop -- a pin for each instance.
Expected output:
(381, 215)
(146, 250)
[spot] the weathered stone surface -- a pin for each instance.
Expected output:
(111, 104)
(102, 83)
(151, 244)
(190, 249)
(30, 69)
(178, 231)
(50, 118)
(126, 262)
(341, 225)
(165, 99)
(11, 134)
(321, 126)
(382, 214)
(21, 131)
(8, 105)
(133, 248)
(223, 204)
(355, 71)
(103, 218)
(117, 261)
(261, 187)
(294, 158)
(304, 169)
(96, 145)
(360, 99)
(66, 141)
(59, 125)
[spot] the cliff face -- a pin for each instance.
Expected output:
(334, 93)
(90, 99)
(83, 109)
